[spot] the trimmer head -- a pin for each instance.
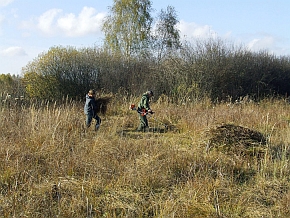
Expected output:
(132, 107)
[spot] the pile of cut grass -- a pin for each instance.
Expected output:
(236, 139)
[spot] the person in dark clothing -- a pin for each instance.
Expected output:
(90, 110)
(143, 109)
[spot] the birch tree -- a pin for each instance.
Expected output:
(127, 27)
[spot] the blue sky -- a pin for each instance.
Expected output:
(30, 27)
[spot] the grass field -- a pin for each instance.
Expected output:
(197, 160)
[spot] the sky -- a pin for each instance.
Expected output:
(29, 28)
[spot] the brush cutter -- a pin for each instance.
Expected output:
(132, 107)
(144, 112)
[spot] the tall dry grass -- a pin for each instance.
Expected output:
(51, 166)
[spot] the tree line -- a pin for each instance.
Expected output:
(136, 57)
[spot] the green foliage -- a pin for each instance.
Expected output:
(61, 72)
(127, 28)
(6, 83)
(41, 86)
(6, 79)
(11, 85)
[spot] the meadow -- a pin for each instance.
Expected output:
(188, 165)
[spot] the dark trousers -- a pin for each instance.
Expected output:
(143, 123)
(89, 119)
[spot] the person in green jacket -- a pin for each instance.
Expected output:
(143, 109)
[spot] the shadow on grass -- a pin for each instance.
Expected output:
(133, 133)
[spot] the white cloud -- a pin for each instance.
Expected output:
(86, 22)
(258, 42)
(54, 22)
(13, 52)
(270, 44)
(261, 43)
(46, 21)
(192, 30)
(5, 2)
